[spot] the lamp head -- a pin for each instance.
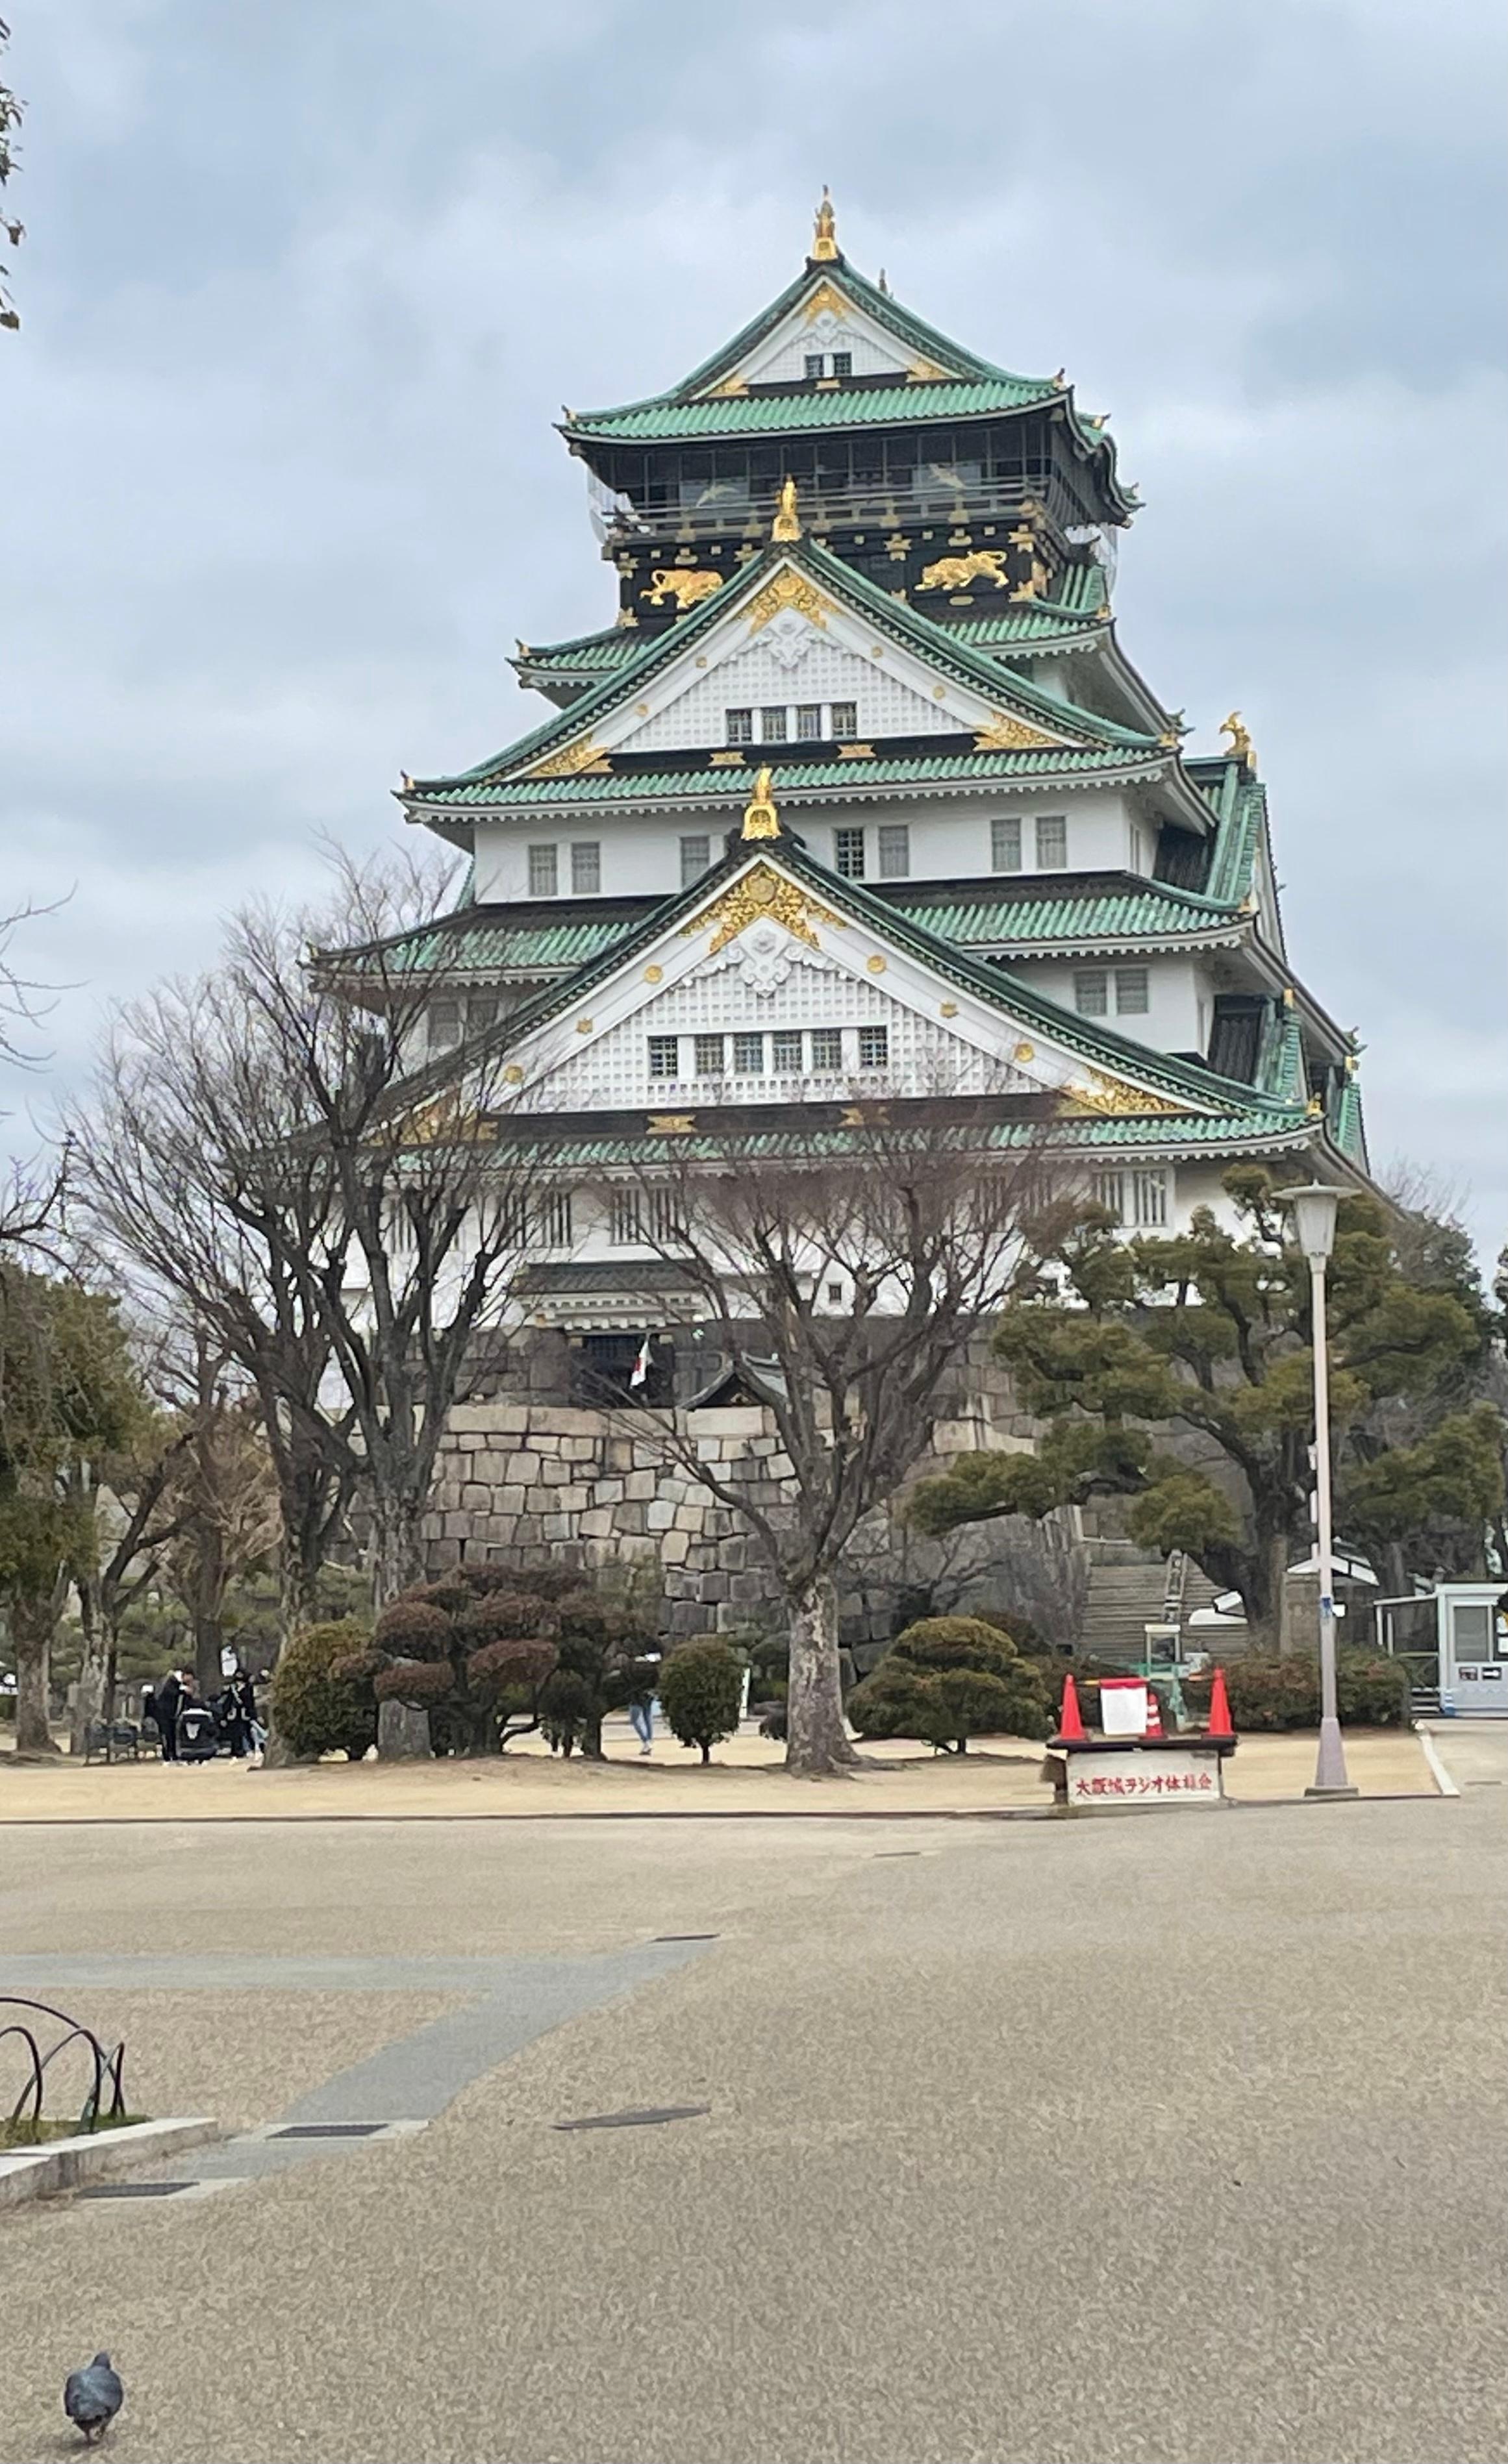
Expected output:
(1314, 1210)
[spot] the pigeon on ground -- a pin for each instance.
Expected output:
(92, 2397)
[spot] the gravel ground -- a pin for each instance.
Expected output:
(1165, 2139)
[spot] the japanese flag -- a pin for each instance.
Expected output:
(641, 1366)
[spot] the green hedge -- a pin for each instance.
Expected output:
(314, 1710)
(1267, 1692)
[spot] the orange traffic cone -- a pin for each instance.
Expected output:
(1071, 1724)
(1154, 1714)
(1219, 1707)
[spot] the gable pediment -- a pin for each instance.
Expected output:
(770, 953)
(825, 320)
(783, 639)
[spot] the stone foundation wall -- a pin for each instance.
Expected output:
(596, 1489)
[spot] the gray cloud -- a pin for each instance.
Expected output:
(305, 286)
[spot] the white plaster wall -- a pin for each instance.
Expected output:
(950, 837)
(1178, 995)
(781, 357)
(826, 671)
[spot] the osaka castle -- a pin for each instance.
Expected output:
(857, 795)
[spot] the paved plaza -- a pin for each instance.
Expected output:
(1163, 2138)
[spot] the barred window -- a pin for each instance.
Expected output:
(874, 1047)
(481, 1012)
(813, 365)
(1131, 991)
(552, 1221)
(544, 870)
(586, 867)
(845, 719)
(894, 850)
(659, 1216)
(785, 1050)
(623, 1218)
(1149, 1196)
(444, 1024)
(809, 722)
(1005, 846)
(709, 1056)
(848, 855)
(664, 1056)
(738, 725)
(1108, 1192)
(1091, 993)
(842, 364)
(748, 1056)
(772, 726)
(826, 1047)
(696, 854)
(1052, 843)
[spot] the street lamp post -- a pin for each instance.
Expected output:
(1314, 1209)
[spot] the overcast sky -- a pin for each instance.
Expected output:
(306, 282)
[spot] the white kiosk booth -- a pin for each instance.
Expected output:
(1471, 1633)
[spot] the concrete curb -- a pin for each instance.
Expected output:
(99, 2156)
(1437, 1770)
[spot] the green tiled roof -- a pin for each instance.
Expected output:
(792, 779)
(1117, 915)
(589, 654)
(784, 414)
(1170, 1135)
(934, 643)
(972, 386)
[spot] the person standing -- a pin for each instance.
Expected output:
(240, 1707)
(167, 1703)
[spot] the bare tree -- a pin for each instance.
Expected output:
(10, 111)
(266, 1146)
(842, 1286)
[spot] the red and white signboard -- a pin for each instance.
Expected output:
(1098, 1782)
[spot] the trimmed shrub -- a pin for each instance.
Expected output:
(318, 1706)
(946, 1680)
(1267, 1692)
(701, 1692)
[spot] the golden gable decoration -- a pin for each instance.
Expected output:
(1007, 734)
(789, 589)
(762, 894)
(827, 299)
(573, 761)
(1115, 1098)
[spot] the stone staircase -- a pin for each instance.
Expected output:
(1127, 1589)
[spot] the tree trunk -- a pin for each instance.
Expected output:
(1262, 1593)
(32, 1633)
(403, 1733)
(816, 1737)
(90, 1691)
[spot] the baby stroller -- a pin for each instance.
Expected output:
(198, 1737)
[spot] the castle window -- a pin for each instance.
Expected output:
(1131, 992)
(623, 1218)
(1091, 993)
(842, 364)
(444, 1024)
(874, 1047)
(845, 719)
(696, 854)
(772, 726)
(586, 867)
(813, 365)
(848, 855)
(544, 872)
(809, 722)
(709, 1056)
(740, 726)
(664, 1056)
(826, 1047)
(1108, 1189)
(1052, 843)
(552, 1223)
(785, 1051)
(748, 1056)
(1005, 846)
(481, 1012)
(1149, 1198)
(894, 850)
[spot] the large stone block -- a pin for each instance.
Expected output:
(674, 1548)
(690, 1518)
(639, 1484)
(574, 1498)
(596, 1524)
(730, 1420)
(659, 1514)
(475, 1498)
(560, 1526)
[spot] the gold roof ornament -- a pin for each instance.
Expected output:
(825, 239)
(1240, 747)
(761, 820)
(787, 524)
(406, 788)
